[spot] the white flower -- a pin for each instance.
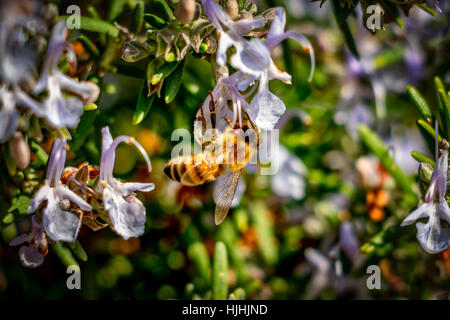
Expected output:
(33, 252)
(329, 271)
(253, 59)
(61, 110)
(289, 181)
(11, 98)
(126, 212)
(16, 67)
(231, 34)
(431, 236)
(59, 225)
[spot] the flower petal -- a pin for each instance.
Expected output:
(88, 91)
(266, 108)
(30, 256)
(253, 58)
(289, 180)
(432, 237)
(424, 210)
(59, 225)
(442, 175)
(127, 217)
(349, 243)
(318, 260)
(65, 193)
(8, 114)
(40, 196)
(244, 26)
(107, 139)
(130, 187)
(278, 24)
(444, 211)
(225, 42)
(304, 42)
(20, 239)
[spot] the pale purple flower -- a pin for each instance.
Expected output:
(329, 271)
(349, 244)
(289, 181)
(401, 142)
(231, 34)
(11, 98)
(16, 67)
(34, 245)
(59, 109)
(431, 236)
(126, 212)
(59, 224)
(253, 59)
(328, 274)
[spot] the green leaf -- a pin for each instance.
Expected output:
(374, 143)
(228, 233)
(8, 218)
(199, 255)
(383, 240)
(78, 250)
(428, 129)
(92, 11)
(173, 83)
(162, 9)
(115, 9)
(84, 130)
(444, 109)
(64, 254)
(420, 103)
(340, 14)
(155, 21)
(42, 156)
(89, 46)
(20, 205)
(220, 272)
(389, 57)
(10, 163)
(96, 25)
(264, 231)
(143, 104)
(238, 294)
(138, 17)
(421, 157)
(163, 72)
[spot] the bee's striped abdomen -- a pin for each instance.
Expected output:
(192, 170)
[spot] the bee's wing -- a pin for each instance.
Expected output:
(224, 194)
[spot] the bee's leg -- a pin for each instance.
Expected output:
(230, 123)
(212, 111)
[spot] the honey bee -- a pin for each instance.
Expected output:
(225, 155)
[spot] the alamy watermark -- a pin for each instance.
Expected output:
(374, 280)
(374, 14)
(73, 21)
(74, 280)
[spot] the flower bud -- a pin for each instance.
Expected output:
(95, 92)
(232, 8)
(185, 11)
(134, 51)
(20, 152)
